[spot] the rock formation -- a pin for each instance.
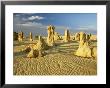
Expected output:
(26, 49)
(15, 36)
(73, 37)
(38, 49)
(56, 36)
(41, 44)
(33, 54)
(93, 37)
(84, 49)
(94, 52)
(20, 36)
(87, 37)
(30, 36)
(82, 36)
(50, 38)
(67, 36)
(77, 36)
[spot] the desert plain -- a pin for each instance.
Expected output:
(58, 59)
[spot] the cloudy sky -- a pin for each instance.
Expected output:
(37, 22)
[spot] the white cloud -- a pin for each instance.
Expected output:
(35, 17)
(30, 18)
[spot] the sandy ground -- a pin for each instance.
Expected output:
(59, 60)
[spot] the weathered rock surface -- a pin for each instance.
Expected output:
(67, 36)
(15, 36)
(50, 38)
(84, 49)
(56, 36)
(94, 52)
(93, 37)
(38, 49)
(77, 36)
(20, 36)
(33, 54)
(30, 36)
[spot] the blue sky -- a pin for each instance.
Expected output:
(38, 22)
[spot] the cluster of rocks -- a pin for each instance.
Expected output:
(56, 36)
(53, 36)
(38, 49)
(78, 36)
(84, 49)
(20, 36)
